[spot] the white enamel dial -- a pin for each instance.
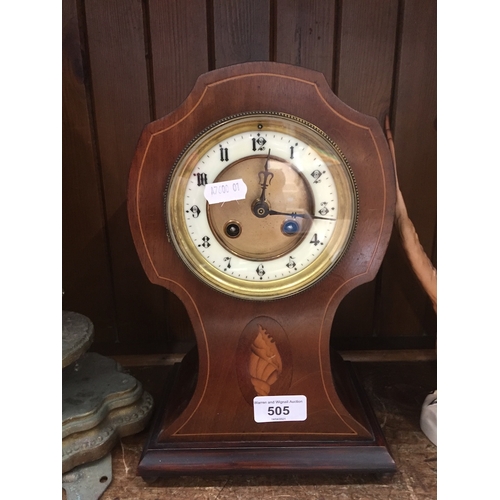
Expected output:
(291, 209)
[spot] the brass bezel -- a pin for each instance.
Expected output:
(271, 289)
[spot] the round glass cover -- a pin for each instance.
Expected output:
(261, 205)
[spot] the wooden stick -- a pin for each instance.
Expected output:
(420, 263)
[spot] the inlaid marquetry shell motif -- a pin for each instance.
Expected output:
(264, 365)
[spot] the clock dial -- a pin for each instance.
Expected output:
(261, 235)
(261, 205)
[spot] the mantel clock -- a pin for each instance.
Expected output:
(261, 202)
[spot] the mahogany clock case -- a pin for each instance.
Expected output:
(205, 423)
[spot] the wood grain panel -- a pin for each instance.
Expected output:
(365, 56)
(85, 263)
(241, 31)
(120, 86)
(414, 125)
(143, 58)
(179, 49)
(305, 34)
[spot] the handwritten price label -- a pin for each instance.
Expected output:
(220, 192)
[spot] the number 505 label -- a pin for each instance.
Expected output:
(279, 408)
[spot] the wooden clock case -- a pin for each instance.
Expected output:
(205, 423)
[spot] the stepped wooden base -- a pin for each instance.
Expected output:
(272, 456)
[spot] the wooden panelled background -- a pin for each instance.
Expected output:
(128, 62)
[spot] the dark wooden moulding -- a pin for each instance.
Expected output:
(205, 422)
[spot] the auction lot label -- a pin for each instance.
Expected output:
(279, 408)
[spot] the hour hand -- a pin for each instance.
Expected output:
(265, 178)
(260, 206)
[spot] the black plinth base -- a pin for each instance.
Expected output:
(202, 458)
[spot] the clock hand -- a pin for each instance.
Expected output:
(263, 176)
(293, 215)
(260, 206)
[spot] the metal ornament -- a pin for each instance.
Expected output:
(77, 336)
(100, 405)
(89, 481)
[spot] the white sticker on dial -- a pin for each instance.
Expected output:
(220, 192)
(279, 408)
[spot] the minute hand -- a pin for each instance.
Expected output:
(293, 215)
